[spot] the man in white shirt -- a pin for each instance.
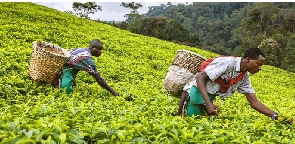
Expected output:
(198, 94)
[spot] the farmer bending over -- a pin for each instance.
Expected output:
(218, 78)
(81, 59)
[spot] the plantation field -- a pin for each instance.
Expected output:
(135, 66)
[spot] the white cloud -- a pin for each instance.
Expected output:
(110, 10)
(61, 6)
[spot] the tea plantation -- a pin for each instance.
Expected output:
(135, 66)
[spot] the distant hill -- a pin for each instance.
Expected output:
(228, 28)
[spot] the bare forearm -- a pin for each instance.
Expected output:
(101, 81)
(201, 82)
(262, 109)
(257, 105)
(200, 79)
(104, 84)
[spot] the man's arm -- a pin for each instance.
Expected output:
(201, 79)
(257, 105)
(182, 99)
(101, 81)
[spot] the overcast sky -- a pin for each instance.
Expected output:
(110, 10)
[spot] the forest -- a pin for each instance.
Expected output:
(226, 28)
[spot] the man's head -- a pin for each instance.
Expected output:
(254, 59)
(96, 47)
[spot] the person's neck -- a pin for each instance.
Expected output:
(243, 65)
(90, 50)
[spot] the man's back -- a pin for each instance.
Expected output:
(81, 59)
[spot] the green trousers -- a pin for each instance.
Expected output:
(66, 80)
(196, 104)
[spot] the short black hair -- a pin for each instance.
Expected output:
(253, 53)
(95, 42)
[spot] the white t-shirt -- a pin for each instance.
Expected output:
(224, 67)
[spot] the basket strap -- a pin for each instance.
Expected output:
(35, 46)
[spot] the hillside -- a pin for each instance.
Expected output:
(229, 28)
(135, 66)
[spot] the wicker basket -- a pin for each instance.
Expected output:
(184, 67)
(46, 61)
(188, 60)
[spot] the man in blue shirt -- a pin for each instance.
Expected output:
(81, 59)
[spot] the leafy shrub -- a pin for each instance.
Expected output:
(135, 66)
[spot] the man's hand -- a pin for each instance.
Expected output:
(114, 93)
(212, 109)
(285, 120)
(291, 121)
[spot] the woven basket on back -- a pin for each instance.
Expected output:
(46, 61)
(184, 67)
(188, 60)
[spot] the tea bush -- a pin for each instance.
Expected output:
(135, 66)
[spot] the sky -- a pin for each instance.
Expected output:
(111, 11)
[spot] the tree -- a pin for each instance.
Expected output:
(133, 6)
(262, 17)
(289, 58)
(287, 20)
(153, 26)
(84, 9)
(134, 19)
(194, 40)
(155, 11)
(135, 23)
(170, 30)
(271, 50)
(169, 4)
(256, 26)
(173, 30)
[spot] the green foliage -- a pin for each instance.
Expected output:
(133, 6)
(270, 48)
(153, 26)
(173, 30)
(155, 11)
(134, 18)
(213, 23)
(289, 57)
(228, 28)
(134, 13)
(169, 30)
(264, 22)
(84, 9)
(260, 17)
(135, 23)
(135, 66)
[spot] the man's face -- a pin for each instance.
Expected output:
(96, 50)
(254, 65)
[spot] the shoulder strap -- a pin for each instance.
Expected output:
(206, 63)
(227, 82)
